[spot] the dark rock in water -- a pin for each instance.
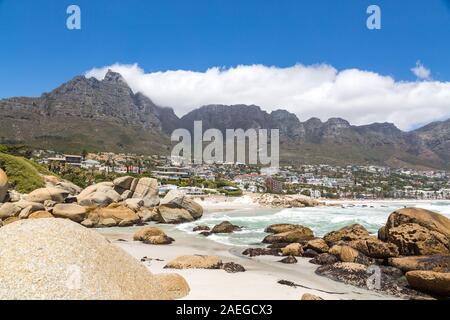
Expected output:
(121, 240)
(254, 252)
(289, 260)
(225, 227)
(201, 228)
(299, 235)
(371, 277)
(323, 259)
(310, 253)
(232, 267)
(205, 233)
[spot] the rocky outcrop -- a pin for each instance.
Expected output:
(413, 239)
(225, 227)
(430, 220)
(195, 262)
(282, 227)
(296, 234)
(318, 245)
(435, 283)
(40, 215)
(9, 209)
(3, 185)
(286, 201)
(201, 228)
(289, 260)
(437, 263)
(70, 262)
(375, 248)
(348, 254)
(231, 267)
(417, 231)
(176, 207)
(70, 211)
(254, 252)
(324, 258)
(293, 249)
(113, 216)
(152, 235)
(349, 233)
(52, 193)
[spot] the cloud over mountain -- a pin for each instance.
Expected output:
(309, 91)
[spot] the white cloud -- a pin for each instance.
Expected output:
(321, 91)
(420, 71)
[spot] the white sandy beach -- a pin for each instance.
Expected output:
(259, 282)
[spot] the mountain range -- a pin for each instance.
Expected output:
(106, 115)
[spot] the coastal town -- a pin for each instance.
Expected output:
(359, 182)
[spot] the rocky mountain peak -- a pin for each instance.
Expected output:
(114, 77)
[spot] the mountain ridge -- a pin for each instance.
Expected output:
(106, 115)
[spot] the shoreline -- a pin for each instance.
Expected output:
(259, 282)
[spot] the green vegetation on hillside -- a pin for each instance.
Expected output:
(24, 175)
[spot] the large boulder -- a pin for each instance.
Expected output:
(282, 227)
(413, 239)
(122, 184)
(296, 235)
(435, 283)
(348, 233)
(324, 258)
(29, 208)
(95, 199)
(174, 284)
(374, 248)
(3, 185)
(146, 187)
(293, 249)
(40, 215)
(152, 235)
(9, 209)
(177, 199)
(437, 263)
(318, 245)
(70, 211)
(348, 254)
(63, 260)
(72, 188)
(195, 262)
(428, 219)
(173, 215)
(52, 193)
(119, 215)
(225, 227)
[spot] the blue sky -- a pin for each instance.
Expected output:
(38, 52)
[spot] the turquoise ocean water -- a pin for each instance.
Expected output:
(320, 219)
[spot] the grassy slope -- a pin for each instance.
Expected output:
(24, 175)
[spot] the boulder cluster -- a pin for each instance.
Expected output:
(123, 202)
(286, 201)
(411, 253)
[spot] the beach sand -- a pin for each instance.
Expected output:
(259, 282)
